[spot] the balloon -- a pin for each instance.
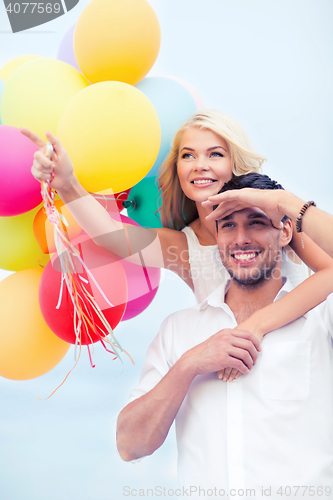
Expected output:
(36, 94)
(19, 250)
(142, 282)
(143, 202)
(8, 69)
(2, 86)
(174, 105)
(44, 232)
(28, 348)
(66, 49)
(120, 197)
(112, 134)
(117, 40)
(19, 190)
(110, 276)
(193, 91)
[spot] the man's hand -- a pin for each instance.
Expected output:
(269, 201)
(227, 348)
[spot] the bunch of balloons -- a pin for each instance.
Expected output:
(117, 126)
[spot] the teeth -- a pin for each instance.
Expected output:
(244, 256)
(203, 181)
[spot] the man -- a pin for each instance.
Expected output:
(270, 432)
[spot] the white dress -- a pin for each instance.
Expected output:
(208, 272)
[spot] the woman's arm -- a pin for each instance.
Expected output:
(159, 247)
(318, 225)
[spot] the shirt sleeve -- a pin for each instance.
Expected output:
(326, 313)
(156, 365)
(296, 273)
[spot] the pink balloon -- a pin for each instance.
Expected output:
(142, 281)
(19, 190)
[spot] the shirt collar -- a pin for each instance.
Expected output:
(216, 298)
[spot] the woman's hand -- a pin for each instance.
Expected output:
(59, 170)
(269, 201)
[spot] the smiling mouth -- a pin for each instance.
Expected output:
(203, 181)
(245, 257)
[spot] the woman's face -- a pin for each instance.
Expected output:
(203, 164)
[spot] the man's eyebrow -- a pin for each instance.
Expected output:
(258, 216)
(228, 217)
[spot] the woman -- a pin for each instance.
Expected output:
(207, 151)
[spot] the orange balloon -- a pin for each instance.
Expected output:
(28, 348)
(43, 229)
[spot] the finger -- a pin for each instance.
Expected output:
(41, 176)
(277, 224)
(224, 210)
(233, 374)
(220, 374)
(248, 346)
(245, 334)
(33, 137)
(54, 141)
(242, 355)
(227, 372)
(239, 365)
(43, 160)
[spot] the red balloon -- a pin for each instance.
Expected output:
(120, 197)
(111, 278)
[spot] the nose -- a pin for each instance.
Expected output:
(201, 164)
(242, 236)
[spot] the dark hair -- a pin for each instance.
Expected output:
(251, 180)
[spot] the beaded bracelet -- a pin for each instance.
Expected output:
(302, 212)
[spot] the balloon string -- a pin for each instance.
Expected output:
(84, 304)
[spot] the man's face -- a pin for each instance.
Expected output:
(249, 245)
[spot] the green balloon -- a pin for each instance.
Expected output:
(142, 203)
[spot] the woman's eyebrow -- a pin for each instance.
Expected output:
(216, 147)
(209, 149)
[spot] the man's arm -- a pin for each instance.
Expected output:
(144, 423)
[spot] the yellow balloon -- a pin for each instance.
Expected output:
(37, 92)
(112, 134)
(19, 248)
(7, 69)
(117, 40)
(28, 348)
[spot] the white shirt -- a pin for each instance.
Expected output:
(272, 428)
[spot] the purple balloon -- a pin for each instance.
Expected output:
(66, 49)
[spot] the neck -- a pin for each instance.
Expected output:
(205, 230)
(246, 300)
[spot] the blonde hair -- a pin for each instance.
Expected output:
(177, 210)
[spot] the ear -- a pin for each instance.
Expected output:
(286, 233)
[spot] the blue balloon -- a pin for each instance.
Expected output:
(2, 86)
(174, 105)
